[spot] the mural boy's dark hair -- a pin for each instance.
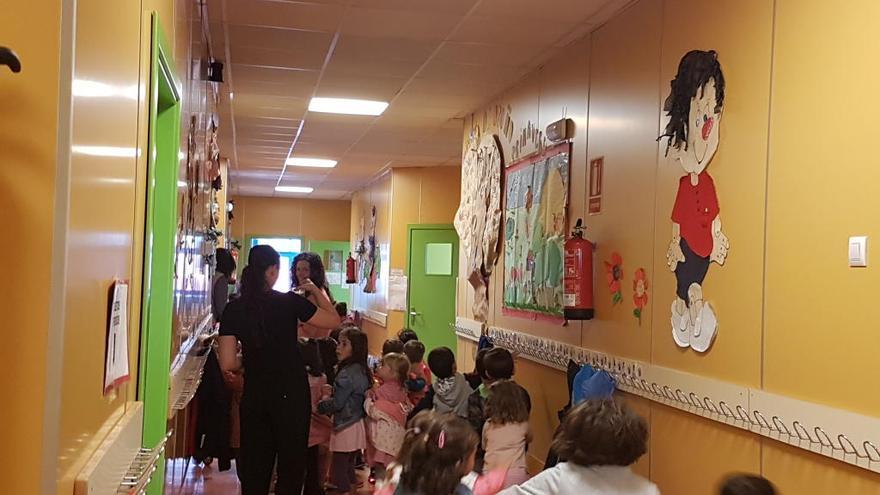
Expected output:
(695, 70)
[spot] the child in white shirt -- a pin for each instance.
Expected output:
(599, 439)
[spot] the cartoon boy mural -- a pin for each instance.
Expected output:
(694, 108)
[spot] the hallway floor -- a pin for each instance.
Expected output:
(188, 478)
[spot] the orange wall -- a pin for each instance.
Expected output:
(28, 147)
(106, 208)
(405, 196)
(786, 212)
(418, 196)
(312, 219)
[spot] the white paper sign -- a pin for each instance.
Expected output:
(116, 361)
(397, 288)
(334, 278)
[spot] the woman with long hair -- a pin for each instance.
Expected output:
(309, 266)
(275, 406)
(222, 275)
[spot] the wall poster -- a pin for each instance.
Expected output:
(694, 107)
(534, 233)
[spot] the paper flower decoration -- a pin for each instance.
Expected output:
(640, 293)
(614, 271)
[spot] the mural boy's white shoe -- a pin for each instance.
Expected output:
(701, 341)
(681, 331)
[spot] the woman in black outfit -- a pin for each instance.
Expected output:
(276, 404)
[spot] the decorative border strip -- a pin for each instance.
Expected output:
(374, 316)
(842, 435)
(468, 329)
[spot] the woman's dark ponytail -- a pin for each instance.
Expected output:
(254, 286)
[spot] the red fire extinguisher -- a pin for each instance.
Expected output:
(578, 280)
(350, 270)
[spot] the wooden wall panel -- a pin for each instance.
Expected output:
(739, 170)
(622, 129)
(823, 189)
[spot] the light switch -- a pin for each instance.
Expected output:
(858, 251)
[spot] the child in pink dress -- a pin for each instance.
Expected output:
(345, 402)
(387, 407)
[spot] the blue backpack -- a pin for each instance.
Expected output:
(590, 383)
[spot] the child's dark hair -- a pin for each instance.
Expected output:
(342, 309)
(327, 350)
(415, 351)
(747, 484)
(359, 350)
(507, 403)
(497, 364)
(311, 355)
(392, 345)
(601, 432)
(336, 332)
(442, 362)
(398, 363)
(479, 368)
(695, 70)
(435, 452)
(225, 262)
(407, 334)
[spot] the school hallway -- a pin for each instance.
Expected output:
(236, 224)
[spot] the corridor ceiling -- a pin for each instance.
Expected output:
(435, 61)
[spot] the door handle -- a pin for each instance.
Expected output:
(413, 312)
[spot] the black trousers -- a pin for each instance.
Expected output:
(313, 482)
(274, 431)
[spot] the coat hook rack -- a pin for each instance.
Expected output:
(10, 59)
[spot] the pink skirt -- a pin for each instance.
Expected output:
(515, 476)
(349, 439)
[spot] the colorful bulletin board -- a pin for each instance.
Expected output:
(534, 233)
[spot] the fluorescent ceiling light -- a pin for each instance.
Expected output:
(114, 151)
(347, 106)
(294, 189)
(311, 162)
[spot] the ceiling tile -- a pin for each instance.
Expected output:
(297, 15)
(380, 57)
(510, 31)
(554, 10)
(466, 74)
(453, 7)
(365, 87)
(487, 54)
(391, 23)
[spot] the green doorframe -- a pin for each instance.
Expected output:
(159, 245)
(409, 232)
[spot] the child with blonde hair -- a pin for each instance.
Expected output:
(387, 407)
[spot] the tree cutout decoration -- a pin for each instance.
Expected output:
(640, 293)
(478, 219)
(694, 107)
(614, 275)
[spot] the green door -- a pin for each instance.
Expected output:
(159, 250)
(334, 254)
(433, 266)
